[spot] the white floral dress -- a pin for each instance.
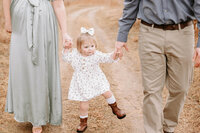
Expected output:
(88, 80)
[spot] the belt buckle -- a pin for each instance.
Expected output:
(169, 27)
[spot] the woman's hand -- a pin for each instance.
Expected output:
(8, 26)
(67, 41)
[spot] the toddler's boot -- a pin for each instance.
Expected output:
(82, 126)
(118, 112)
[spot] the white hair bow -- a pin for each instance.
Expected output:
(89, 31)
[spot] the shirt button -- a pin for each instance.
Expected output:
(165, 10)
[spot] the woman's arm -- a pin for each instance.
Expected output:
(7, 16)
(60, 12)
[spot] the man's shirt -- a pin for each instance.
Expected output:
(161, 12)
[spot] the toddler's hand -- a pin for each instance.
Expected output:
(67, 41)
(116, 54)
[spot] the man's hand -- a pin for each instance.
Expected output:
(119, 48)
(196, 57)
(67, 41)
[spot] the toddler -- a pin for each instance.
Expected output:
(88, 80)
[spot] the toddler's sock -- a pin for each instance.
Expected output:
(111, 100)
(82, 117)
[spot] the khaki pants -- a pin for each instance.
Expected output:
(166, 59)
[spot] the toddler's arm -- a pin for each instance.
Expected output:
(67, 55)
(107, 57)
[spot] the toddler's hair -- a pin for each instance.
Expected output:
(85, 38)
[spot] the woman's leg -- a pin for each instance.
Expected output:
(37, 129)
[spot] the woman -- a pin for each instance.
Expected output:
(34, 92)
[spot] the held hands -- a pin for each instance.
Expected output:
(196, 57)
(119, 48)
(67, 41)
(115, 55)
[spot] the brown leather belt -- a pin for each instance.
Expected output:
(170, 26)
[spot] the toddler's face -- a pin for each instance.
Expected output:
(88, 49)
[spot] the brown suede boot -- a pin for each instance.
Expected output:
(82, 126)
(120, 114)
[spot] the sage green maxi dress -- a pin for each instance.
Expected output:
(34, 92)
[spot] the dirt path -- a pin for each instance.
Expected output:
(124, 77)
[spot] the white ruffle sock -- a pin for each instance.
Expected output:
(111, 100)
(83, 117)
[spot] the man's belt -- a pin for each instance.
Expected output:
(170, 26)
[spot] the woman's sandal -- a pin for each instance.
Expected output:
(37, 129)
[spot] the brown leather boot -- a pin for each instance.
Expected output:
(118, 112)
(82, 126)
(167, 132)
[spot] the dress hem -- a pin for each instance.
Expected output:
(43, 123)
(89, 98)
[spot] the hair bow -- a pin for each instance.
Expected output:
(89, 31)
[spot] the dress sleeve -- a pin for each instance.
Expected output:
(68, 56)
(104, 57)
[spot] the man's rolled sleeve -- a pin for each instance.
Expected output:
(128, 18)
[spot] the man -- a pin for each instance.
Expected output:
(166, 49)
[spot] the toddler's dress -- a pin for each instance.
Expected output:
(88, 80)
